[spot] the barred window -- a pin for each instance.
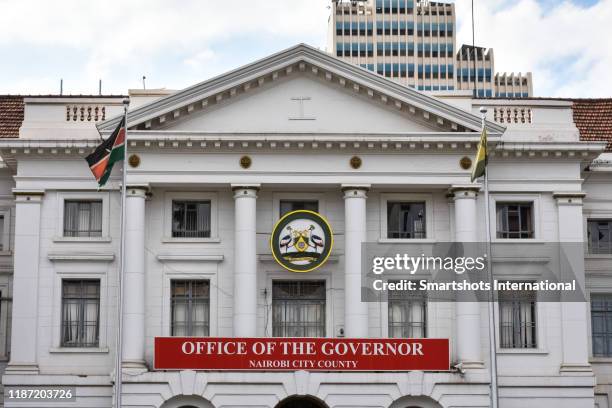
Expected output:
(80, 313)
(83, 218)
(405, 219)
(190, 308)
(599, 236)
(191, 219)
(407, 313)
(3, 239)
(5, 326)
(298, 308)
(601, 325)
(515, 220)
(287, 206)
(517, 319)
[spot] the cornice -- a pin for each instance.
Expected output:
(199, 142)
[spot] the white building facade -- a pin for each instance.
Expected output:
(211, 170)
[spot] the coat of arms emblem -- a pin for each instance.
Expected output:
(301, 241)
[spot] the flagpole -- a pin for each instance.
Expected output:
(119, 344)
(492, 336)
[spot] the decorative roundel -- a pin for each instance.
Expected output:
(465, 163)
(134, 160)
(245, 162)
(301, 241)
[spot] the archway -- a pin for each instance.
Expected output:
(301, 402)
(187, 401)
(415, 402)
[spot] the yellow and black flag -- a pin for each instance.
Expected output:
(108, 153)
(480, 162)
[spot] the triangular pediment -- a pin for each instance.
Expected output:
(301, 90)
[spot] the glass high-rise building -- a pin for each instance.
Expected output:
(414, 43)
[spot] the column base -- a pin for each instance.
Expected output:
(134, 367)
(470, 365)
(568, 368)
(16, 368)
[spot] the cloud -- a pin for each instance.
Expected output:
(129, 37)
(564, 44)
(176, 44)
(199, 59)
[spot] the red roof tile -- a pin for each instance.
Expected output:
(593, 118)
(11, 115)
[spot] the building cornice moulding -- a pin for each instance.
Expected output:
(81, 257)
(189, 258)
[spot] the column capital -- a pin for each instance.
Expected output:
(464, 194)
(246, 186)
(458, 188)
(28, 195)
(569, 197)
(245, 190)
(365, 187)
(355, 191)
(137, 190)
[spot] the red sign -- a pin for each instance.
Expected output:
(310, 354)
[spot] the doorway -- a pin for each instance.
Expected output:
(301, 402)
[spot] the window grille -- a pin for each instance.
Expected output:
(83, 218)
(190, 308)
(80, 313)
(515, 220)
(406, 220)
(407, 314)
(287, 206)
(599, 236)
(191, 219)
(517, 319)
(298, 308)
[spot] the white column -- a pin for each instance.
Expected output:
(574, 315)
(245, 261)
(25, 283)
(355, 311)
(467, 313)
(134, 280)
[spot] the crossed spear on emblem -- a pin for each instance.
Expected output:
(301, 239)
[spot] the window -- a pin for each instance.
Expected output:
(601, 325)
(83, 218)
(599, 236)
(515, 220)
(3, 246)
(287, 206)
(405, 219)
(5, 326)
(517, 319)
(80, 313)
(298, 308)
(407, 314)
(190, 308)
(191, 219)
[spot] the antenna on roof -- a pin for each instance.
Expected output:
(100, 87)
(143, 82)
(61, 86)
(474, 53)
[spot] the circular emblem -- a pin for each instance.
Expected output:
(134, 160)
(465, 163)
(245, 162)
(355, 162)
(301, 241)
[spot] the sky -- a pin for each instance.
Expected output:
(567, 44)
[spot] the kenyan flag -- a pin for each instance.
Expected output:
(108, 153)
